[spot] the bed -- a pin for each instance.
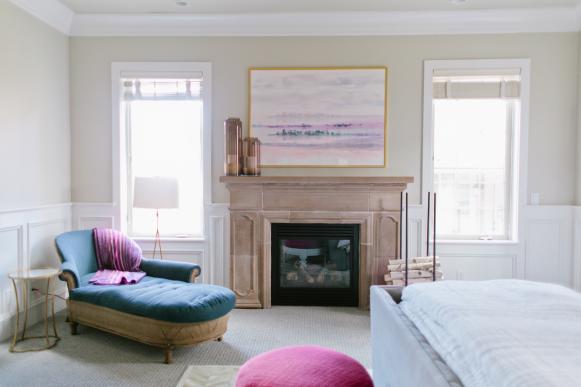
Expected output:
(476, 334)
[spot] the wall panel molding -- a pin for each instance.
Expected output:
(577, 248)
(469, 261)
(85, 222)
(210, 253)
(19, 229)
(27, 242)
(548, 249)
(549, 244)
(31, 243)
(90, 215)
(479, 266)
(219, 249)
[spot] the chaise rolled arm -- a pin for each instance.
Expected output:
(172, 270)
(70, 274)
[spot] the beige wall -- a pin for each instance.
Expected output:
(552, 137)
(34, 112)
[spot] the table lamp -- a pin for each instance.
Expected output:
(157, 193)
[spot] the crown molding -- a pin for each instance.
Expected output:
(52, 12)
(491, 21)
(559, 19)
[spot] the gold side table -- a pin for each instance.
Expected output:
(25, 277)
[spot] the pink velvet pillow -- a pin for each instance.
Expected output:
(303, 366)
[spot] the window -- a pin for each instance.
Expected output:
(475, 125)
(472, 167)
(162, 125)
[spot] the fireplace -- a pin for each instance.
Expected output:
(369, 205)
(315, 264)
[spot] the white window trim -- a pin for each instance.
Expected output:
(119, 176)
(520, 139)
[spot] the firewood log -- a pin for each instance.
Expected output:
(412, 266)
(413, 260)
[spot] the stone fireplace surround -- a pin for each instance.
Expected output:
(256, 202)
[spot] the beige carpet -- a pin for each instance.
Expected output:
(95, 358)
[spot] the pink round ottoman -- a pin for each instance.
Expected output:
(303, 366)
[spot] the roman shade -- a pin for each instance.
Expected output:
(188, 88)
(476, 84)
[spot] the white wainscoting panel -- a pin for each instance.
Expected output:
(478, 266)
(27, 242)
(548, 249)
(549, 244)
(219, 244)
(90, 215)
(40, 241)
(11, 245)
(186, 254)
(211, 253)
(577, 248)
(417, 230)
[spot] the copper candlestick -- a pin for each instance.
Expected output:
(233, 147)
(251, 165)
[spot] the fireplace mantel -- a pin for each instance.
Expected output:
(256, 202)
(384, 182)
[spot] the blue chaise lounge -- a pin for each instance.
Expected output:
(165, 309)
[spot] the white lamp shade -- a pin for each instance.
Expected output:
(155, 192)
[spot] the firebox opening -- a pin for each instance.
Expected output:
(315, 264)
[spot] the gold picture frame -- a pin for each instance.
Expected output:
(372, 79)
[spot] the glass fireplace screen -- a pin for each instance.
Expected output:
(315, 264)
(320, 263)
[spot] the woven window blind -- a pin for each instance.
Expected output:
(162, 89)
(476, 84)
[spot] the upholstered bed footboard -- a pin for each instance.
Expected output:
(158, 333)
(401, 355)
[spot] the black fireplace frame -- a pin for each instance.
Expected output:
(313, 296)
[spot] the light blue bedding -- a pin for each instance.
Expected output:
(501, 333)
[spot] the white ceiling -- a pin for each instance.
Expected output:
(277, 6)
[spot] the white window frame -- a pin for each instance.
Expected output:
(519, 143)
(120, 70)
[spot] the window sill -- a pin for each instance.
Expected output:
(475, 242)
(170, 239)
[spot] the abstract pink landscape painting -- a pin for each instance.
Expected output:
(319, 117)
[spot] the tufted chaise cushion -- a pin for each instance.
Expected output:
(161, 299)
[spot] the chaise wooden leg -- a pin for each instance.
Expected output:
(220, 338)
(167, 355)
(74, 327)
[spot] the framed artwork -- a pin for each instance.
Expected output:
(319, 117)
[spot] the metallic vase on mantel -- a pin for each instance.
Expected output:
(233, 147)
(251, 164)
